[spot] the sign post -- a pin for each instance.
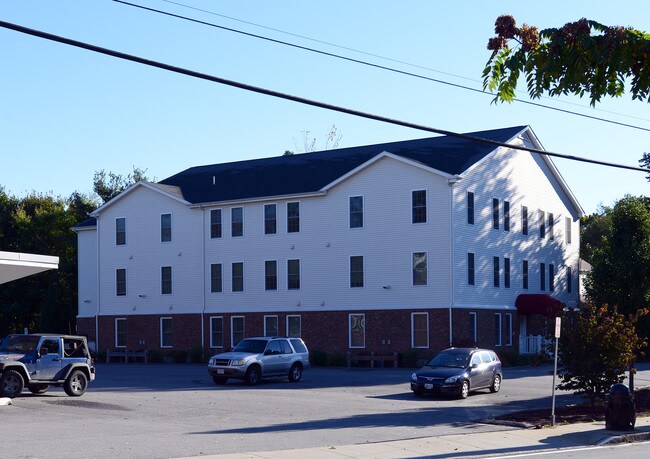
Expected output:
(558, 325)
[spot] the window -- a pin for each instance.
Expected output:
(470, 268)
(293, 274)
(236, 330)
(524, 270)
(496, 271)
(120, 332)
(270, 219)
(508, 329)
(495, 213)
(551, 225)
(569, 279)
(293, 326)
(215, 223)
(567, 229)
(419, 206)
(357, 330)
(497, 329)
(542, 276)
(506, 272)
(216, 331)
(120, 282)
(270, 275)
(420, 330)
(166, 228)
(506, 216)
(420, 268)
(356, 212)
(237, 221)
(551, 277)
(238, 277)
(216, 278)
(472, 327)
(293, 217)
(165, 332)
(542, 224)
(166, 280)
(470, 208)
(356, 271)
(120, 231)
(524, 220)
(270, 325)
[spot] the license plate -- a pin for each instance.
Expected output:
(219, 371)
(428, 386)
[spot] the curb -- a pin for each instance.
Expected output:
(626, 438)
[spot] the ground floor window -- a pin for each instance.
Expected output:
(165, 332)
(216, 331)
(236, 330)
(420, 329)
(508, 329)
(497, 329)
(120, 332)
(270, 325)
(472, 327)
(293, 326)
(357, 330)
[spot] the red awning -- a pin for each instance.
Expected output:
(543, 304)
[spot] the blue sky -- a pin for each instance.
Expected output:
(67, 112)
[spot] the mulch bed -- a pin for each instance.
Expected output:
(570, 414)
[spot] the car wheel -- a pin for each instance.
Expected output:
(252, 376)
(496, 384)
(464, 389)
(11, 383)
(38, 389)
(295, 374)
(219, 380)
(76, 384)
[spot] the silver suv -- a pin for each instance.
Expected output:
(41, 360)
(256, 358)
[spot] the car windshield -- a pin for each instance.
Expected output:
(450, 359)
(19, 343)
(254, 346)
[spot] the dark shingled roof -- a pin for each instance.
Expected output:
(88, 223)
(310, 172)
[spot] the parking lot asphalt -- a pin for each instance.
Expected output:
(164, 411)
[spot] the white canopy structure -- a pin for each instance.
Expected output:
(15, 265)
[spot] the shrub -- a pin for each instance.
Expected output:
(409, 358)
(196, 354)
(318, 358)
(155, 356)
(178, 355)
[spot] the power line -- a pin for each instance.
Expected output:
(358, 61)
(301, 100)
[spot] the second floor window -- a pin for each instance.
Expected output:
(551, 224)
(237, 221)
(495, 213)
(542, 276)
(166, 228)
(524, 269)
(470, 269)
(524, 220)
(216, 278)
(270, 219)
(293, 217)
(470, 208)
(271, 275)
(238, 277)
(356, 212)
(120, 231)
(356, 271)
(506, 216)
(506, 272)
(293, 274)
(419, 206)
(120, 282)
(166, 280)
(551, 277)
(215, 223)
(567, 229)
(420, 268)
(496, 271)
(542, 224)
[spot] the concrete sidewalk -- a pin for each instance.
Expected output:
(482, 444)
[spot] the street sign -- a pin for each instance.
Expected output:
(558, 324)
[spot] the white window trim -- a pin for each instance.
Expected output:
(350, 331)
(171, 275)
(264, 219)
(363, 273)
(211, 343)
(363, 212)
(500, 341)
(287, 324)
(210, 278)
(232, 328)
(426, 207)
(126, 282)
(243, 219)
(568, 230)
(426, 254)
(509, 330)
(286, 208)
(475, 331)
(413, 314)
(299, 275)
(220, 222)
(161, 332)
(467, 193)
(277, 323)
(232, 277)
(126, 239)
(118, 319)
(277, 276)
(171, 225)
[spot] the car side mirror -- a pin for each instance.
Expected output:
(42, 352)
(268, 352)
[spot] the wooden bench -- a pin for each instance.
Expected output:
(126, 354)
(373, 358)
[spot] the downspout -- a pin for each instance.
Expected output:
(204, 285)
(98, 290)
(452, 181)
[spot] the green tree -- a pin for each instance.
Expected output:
(107, 185)
(582, 58)
(593, 229)
(596, 346)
